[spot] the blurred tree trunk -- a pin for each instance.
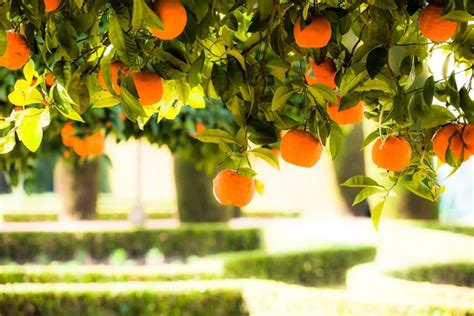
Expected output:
(350, 162)
(196, 202)
(413, 207)
(77, 186)
(4, 186)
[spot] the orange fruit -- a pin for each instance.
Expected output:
(49, 79)
(434, 26)
(200, 127)
(173, 16)
(392, 154)
(449, 135)
(351, 115)
(149, 87)
(468, 138)
(115, 68)
(67, 154)
(68, 134)
(16, 52)
(95, 144)
(51, 5)
(315, 35)
(300, 148)
(80, 147)
(324, 73)
(233, 188)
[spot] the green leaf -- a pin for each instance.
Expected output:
(459, 16)
(259, 187)
(281, 95)
(3, 40)
(370, 138)
(365, 193)
(428, 91)
(376, 60)
(376, 213)
(435, 116)
(29, 128)
(63, 103)
(216, 136)
(237, 55)
(265, 8)
(324, 91)
(420, 189)
(24, 94)
(267, 155)
(7, 143)
(195, 72)
(103, 99)
(361, 182)
(137, 15)
(335, 140)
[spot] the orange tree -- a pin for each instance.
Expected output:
(252, 55)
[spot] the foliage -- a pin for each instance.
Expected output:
(243, 54)
(180, 242)
(458, 273)
(316, 267)
(86, 274)
(459, 229)
(114, 299)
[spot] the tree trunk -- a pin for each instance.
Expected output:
(350, 162)
(196, 202)
(413, 207)
(77, 186)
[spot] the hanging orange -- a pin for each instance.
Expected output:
(173, 16)
(49, 79)
(233, 188)
(115, 68)
(149, 87)
(324, 73)
(434, 26)
(392, 154)
(95, 144)
(352, 115)
(80, 147)
(315, 35)
(51, 5)
(68, 134)
(16, 52)
(449, 136)
(300, 148)
(468, 138)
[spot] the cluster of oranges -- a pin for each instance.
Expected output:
(149, 85)
(459, 138)
(90, 146)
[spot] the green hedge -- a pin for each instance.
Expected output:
(53, 216)
(318, 267)
(179, 242)
(119, 299)
(458, 229)
(85, 274)
(459, 273)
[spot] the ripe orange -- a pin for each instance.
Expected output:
(80, 147)
(49, 79)
(115, 68)
(16, 52)
(434, 26)
(315, 35)
(392, 154)
(351, 115)
(68, 134)
(173, 16)
(300, 148)
(200, 127)
(468, 138)
(324, 73)
(95, 144)
(51, 5)
(449, 135)
(149, 87)
(232, 188)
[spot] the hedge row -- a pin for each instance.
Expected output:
(119, 299)
(49, 216)
(318, 267)
(458, 229)
(85, 274)
(180, 242)
(459, 273)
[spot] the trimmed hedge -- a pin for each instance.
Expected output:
(119, 299)
(86, 274)
(317, 267)
(459, 273)
(181, 242)
(458, 229)
(118, 215)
